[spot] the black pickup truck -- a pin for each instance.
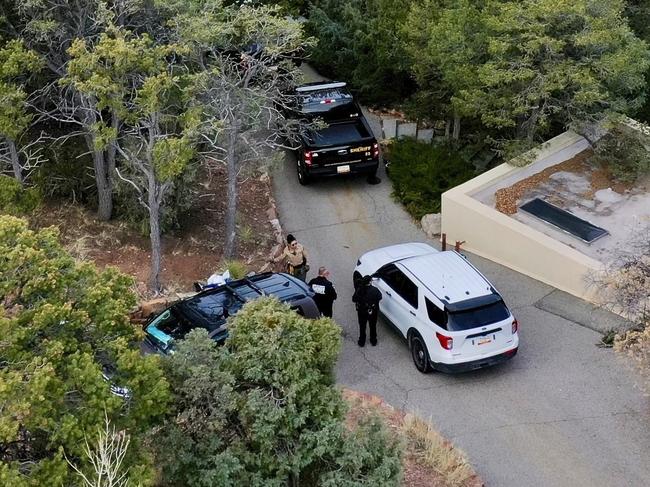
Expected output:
(338, 139)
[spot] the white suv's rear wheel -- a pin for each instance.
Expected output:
(419, 353)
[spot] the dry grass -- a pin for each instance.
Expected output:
(429, 459)
(236, 268)
(426, 444)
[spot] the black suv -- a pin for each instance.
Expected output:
(210, 308)
(344, 145)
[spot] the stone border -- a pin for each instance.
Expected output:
(274, 220)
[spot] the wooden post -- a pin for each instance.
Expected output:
(444, 242)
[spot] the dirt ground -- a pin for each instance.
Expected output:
(190, 254)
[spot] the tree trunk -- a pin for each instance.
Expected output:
(456, 133)
(154, 236)
(111, 151)
(102, 175)
(231, 209)
(531, 125)
(447, 129)
(15, 160)
(104, 190)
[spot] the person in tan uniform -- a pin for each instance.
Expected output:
(295, 256)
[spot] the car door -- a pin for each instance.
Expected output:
(387, 282)
(402, 297)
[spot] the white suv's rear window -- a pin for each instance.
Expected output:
(477, 317)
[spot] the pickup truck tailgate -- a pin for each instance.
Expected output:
(344, 154)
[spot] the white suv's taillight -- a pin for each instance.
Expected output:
(445, 342)
(515, 326)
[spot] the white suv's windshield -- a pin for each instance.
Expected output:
(477, 317)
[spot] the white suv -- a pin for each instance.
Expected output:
(452, 317)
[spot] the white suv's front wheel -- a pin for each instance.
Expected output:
(419, 353)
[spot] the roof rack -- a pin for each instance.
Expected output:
(234, 293)
(254, 286)
(324, 86)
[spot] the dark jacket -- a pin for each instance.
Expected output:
(367, 298)
(325, 294)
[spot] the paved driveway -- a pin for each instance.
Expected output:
(562, 413)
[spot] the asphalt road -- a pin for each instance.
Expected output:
(563, 412)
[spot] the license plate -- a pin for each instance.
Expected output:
(483, 341)
(343, 169)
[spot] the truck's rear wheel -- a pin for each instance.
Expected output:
(303, 178)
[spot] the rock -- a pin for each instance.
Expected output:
(389, 127)
(431, 224)
(153, 306)
(276, 250)
(407, 129)
(425, 135)
(271, 214)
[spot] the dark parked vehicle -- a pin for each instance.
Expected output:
(211, 308)
(344, 145)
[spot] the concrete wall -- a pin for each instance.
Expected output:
(495, 236)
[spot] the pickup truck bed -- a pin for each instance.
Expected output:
(340, 134)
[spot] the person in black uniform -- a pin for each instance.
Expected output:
(325, 294)
(367, 297)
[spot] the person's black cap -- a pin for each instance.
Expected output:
(366, 280)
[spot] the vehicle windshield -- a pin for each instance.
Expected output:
(477, 317)
(329, 104)
(212, 309)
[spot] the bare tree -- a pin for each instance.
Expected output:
(244, 55)
(624, 282)
(23, 158)
(16, 64)
(156, 143)
(105, 457)
(624, 286)
(51, 27)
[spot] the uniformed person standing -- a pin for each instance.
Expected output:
(324, 292)
(295, 257)
(367, 297)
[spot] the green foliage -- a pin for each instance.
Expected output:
(171, 156)
(358, 42)
(236, 268)
(101, 71)
(638, 15)
(61, 321)
(624, 151)
(566, 62)
(422, 172)
(67, 172)
(263, 410)
(15, 63)
(15, 199)
(446, 45)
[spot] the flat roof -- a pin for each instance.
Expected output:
(448, 275)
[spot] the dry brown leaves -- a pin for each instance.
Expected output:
(507, 199)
